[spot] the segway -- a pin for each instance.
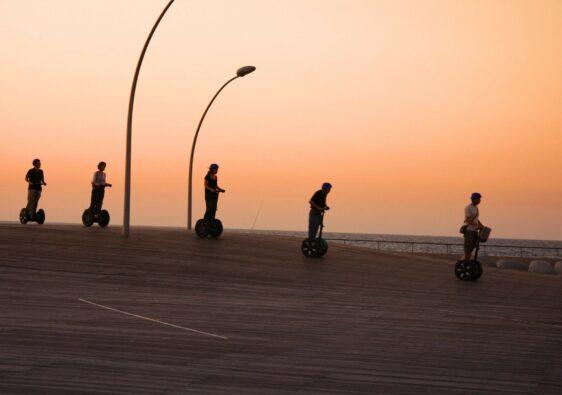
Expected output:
(472, 270)
(318, 247)
(26, 216)
(92, 215)
(206, 227)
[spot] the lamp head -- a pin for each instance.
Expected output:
(242, 71)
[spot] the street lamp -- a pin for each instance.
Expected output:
(241, 72)
(127, 197)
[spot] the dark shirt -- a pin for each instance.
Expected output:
(211, 183)
(319, 198)
(36, 177)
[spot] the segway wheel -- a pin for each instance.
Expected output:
(216, 228)
(322, 247)
(477, 270)
(310, 249)
(202, 228)
(40, 216)
(103, 218)
(23, 216)
(88, 218)
(464, 270)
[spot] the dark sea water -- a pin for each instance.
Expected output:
(436, 244)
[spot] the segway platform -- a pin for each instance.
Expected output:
(316, 248)
(26, 216)
(468, 270)
(89, 218)
(205, 227)
(472, 270)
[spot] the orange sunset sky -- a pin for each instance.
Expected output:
(406, 107)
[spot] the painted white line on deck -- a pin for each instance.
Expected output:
(152, 319)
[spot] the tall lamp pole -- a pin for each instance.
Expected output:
(241, 72)
(127, 198)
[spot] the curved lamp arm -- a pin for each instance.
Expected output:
(127, 198)
(189, 198)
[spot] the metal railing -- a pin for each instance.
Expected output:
(451, 247)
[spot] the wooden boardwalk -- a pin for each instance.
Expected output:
(356, 321)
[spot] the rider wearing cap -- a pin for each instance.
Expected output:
(317, 207)
(212, 192)
(473, 225)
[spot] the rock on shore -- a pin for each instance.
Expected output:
(543, 267)
(509, 264)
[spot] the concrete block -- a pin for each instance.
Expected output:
(558, 267)
(542, 267)
(511, 265)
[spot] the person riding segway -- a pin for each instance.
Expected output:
(209, 225)
(35, 180)
(316, 246)
(474, 233)
(95, 213)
